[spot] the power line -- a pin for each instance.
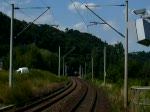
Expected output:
(18, 3)
(88, 15)
(25, 14)
(85, 1)
(54, 18)
(32, 8)
(88, 29)
(51, 12)
(6, 2)
(121, 5)
(32, 22)
(78, 12)
(43, 2)
(19, 9)
(105, 22)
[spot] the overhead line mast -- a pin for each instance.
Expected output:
(11, 43)
(126, 51)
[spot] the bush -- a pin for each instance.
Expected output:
(25, 85)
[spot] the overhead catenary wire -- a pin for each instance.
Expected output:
(6, 2)
(18, 3)
(26, 15)
(32, 22)
(79, 13)
(46, 5)
(43, 2)
(96, 6)
(20, 9)
(105, 22)
(88, 29)
(106, 5)
(31, 8)
(88, 15)
(52, 14)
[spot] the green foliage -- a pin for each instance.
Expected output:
(115, 91)
(25, 85)
(48, 38)
(116, 72)
(33, 57)
(137, 69)
(26, 56)
(37, 47)
(88, 76)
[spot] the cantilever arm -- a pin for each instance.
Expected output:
(105, 21)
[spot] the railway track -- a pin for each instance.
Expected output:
(77, 96)
(51, 99)
(88, 102)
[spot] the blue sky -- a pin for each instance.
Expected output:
(72, 14)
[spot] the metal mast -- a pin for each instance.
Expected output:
(11, 50)
(126, 62)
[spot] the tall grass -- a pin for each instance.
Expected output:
(115, 92)
(27, 86)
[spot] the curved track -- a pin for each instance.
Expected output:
(76, 96)
(51, 99)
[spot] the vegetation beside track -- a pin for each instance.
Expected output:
(27, 86)
(115, 92)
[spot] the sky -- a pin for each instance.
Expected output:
(73, 14)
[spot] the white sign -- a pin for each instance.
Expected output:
(140, 29)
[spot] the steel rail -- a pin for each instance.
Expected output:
(54, 99)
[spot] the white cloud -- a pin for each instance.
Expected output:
(106, 27)
(62, 28)
(81, 7)
(46, 19)
(81, 27)
(90, 5)
(74, 5)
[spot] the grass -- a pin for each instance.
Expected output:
(27, 86)
(115, 92)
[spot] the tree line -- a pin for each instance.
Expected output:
(37, 47)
